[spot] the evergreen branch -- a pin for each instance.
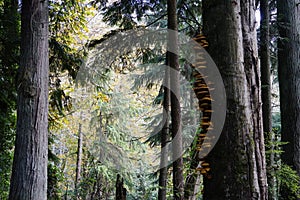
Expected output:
(95, 42)
(193, 16)
(156, 20)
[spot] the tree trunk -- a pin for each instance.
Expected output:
(237, 160)
(79, 160)
(289, 79)
(29, 174)
(163, 172)
(265, 66)
(175, 101)
(120, 190)
(253, 75)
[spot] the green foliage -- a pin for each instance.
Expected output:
(68, 28)
(9, 54)
(153, 13)
(124, 13)
(7, 135)
(55, 175)
(54, 178)
(97, 181)
(289, 183)
(144, 186)
(274, 146)
(68, 21)
(287, 178)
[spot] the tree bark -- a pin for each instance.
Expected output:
(265, 66)
(237, 160)
(120, 190)
(163, 172)
(178, 182)
(253, 76)
(79, 160)
(289, 79)
(29, 174)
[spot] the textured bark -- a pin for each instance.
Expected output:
(253, 75)
(178, 181)
(29, 174)
(289, 79)
(266, 95)
(237, 161)
(163, 172)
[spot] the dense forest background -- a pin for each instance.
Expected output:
(87, 113)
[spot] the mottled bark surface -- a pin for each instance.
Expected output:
(237, 160)
(289, 79)
(253, 75)
(29, 174)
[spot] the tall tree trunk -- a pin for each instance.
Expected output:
(289, 79)
(79, 160)
(163, 172)
(237, 160)
(253, 75)
(29, 174)
(175, 101)
(265, 66)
